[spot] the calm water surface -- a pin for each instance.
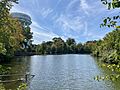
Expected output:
(62, 72)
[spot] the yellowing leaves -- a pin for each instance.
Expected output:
(118, 27)
(2, 49)
(10, 30)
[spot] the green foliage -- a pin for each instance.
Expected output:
(4, 70)
(23, 86)
(79, 47)
(108, 49)
(111, 21)
(10, 30)
(59, 46)
(115, 72)
(111, 4)
(71, 45)
(2, 49)
(70, 41)
(111, 77)
(28, 36)
(28, 33)
(89, 46)
(2, 87)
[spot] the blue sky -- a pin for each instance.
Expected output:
(78, 19)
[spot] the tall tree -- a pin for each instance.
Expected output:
(10, 29)
(71, 45)
(59, 44)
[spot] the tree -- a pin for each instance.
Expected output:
(71, 45)
(48, 48)
(109, 47)
(110, 43)
(10, 30)
(59, 44)
(28, 36)
(70, 41)
(79, 47)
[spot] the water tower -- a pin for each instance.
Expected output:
(23, 18)
(26, 22)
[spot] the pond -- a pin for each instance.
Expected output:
(61, 72)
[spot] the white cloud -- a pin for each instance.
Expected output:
(74, 21)
(89, 34)
(55, 16)
(70, 24)
(35, 3)
(84, 6)
(45, 12)
(41, 33)
(58, 2)
(85, 29)
(71, 4)
(20, 10)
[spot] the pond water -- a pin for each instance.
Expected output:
(61, 72)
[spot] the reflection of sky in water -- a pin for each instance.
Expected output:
(61, 72)
(66, 72)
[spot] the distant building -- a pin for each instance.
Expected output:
(23, 18)
(26, 22)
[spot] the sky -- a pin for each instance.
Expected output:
(78, 19)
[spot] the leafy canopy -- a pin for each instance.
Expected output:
(10, 29)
